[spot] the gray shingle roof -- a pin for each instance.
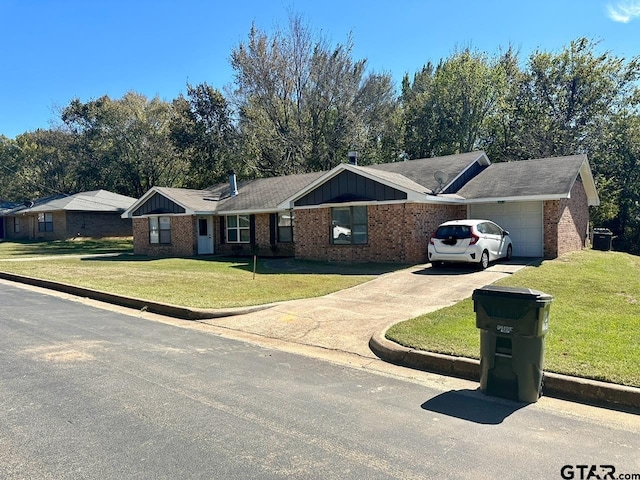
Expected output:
(93, 201)
(525, 178)
(262, 193)
(195, 200)
(422, 171)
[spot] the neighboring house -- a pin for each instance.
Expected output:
(378, 213)
(5, 207)
(88, 214)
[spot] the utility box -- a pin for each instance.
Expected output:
(513, 323)
(602, 239)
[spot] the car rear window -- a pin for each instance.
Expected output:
(458, 231)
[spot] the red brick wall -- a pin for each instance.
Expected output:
(566, 223)
(97, 224)
(396, 233)
(184, 240)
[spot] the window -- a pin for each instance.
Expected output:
(285, 227)
(160, 230)
(16, 224)
(349, 226)
(45, 222)
(238, 228)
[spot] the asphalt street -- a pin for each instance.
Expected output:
(90, 392)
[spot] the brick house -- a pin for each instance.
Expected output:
(378, 213)
(92, 214)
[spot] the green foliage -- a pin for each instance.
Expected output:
(203, 131)
(303, 105)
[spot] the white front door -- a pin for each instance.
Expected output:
(205, 235)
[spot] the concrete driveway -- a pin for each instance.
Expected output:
(346, 320)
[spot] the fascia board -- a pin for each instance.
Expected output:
(589, 184)
(527, 198)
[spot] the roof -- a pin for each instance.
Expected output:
(549, 178)
(261, 194)
(545, 178)
(423, 171)
(93, 201)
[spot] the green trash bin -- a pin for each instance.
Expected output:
(602, 239)
(513, 323)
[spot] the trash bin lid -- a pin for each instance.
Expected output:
(512, 293)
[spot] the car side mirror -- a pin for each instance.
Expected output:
(505, 233)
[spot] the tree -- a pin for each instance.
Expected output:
(303, 105)
(203, 131)
(618, 176)
(447, 107)
(125, 143)
(566, 99)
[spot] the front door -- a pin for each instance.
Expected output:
(205, 235)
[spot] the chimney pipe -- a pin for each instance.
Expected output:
(233, 184)
(353, 158)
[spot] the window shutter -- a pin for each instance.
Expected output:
(223, 233)
(252, 229)
(273, 221)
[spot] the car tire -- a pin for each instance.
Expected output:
(509, 253)
(484, 260)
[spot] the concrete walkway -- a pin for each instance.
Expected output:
(346, 320)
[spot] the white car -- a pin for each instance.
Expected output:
(469, 241)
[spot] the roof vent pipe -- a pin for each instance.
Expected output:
(233, 184)
(353, 158)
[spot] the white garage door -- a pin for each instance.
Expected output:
(522, 219)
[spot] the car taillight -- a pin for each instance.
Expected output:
(474, 239)
(433, 235)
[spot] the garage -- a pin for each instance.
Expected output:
(523, 220)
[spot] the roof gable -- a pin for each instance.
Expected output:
(414, 178)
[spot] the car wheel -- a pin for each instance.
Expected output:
(509, 252)
(484, 260)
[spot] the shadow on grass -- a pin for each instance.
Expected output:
(67, 247)
(473, 406)
(270, 266)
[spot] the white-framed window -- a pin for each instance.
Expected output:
(285, 227)
(45, 222)
(349, 225)
(238, 228)
(160, 230)
(16, 225)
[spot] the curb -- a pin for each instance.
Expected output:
(581, 390)
(183, 313)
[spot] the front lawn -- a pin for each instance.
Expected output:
(80, 246)
(199, 282)
(594, 327)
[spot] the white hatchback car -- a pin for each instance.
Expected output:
(470, 241)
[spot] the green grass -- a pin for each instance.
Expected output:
(200, 282)
(594, 328)
(65, 247)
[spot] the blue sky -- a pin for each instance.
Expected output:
(57, 50)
